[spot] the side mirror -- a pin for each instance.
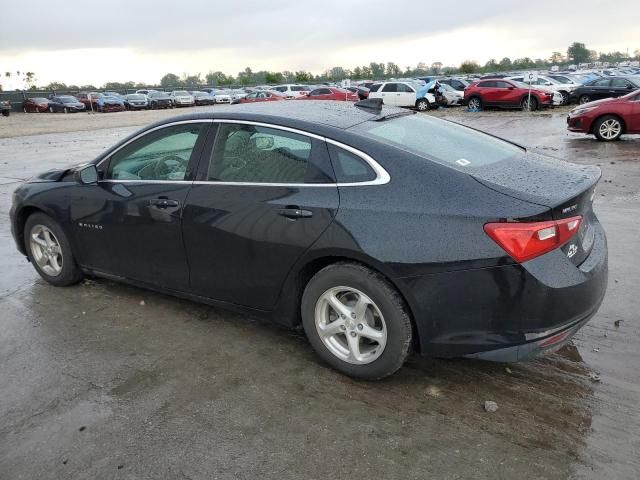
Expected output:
(86, 175)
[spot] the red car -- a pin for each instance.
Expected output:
(330, 93)
(607, 119)
(84, 98)
(262, 96)
(498, 92)
(35, 105)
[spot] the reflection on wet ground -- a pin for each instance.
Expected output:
(103, 380)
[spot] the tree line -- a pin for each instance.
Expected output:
(576, 53)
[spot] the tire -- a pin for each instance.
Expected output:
(423, 105)
(608, 128)
(69, 273)
(584, 99)
(529, 105)
(475, 103)
(66, 110)
(385, 318)
(24, 110)
(6, 113)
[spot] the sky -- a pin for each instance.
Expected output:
(96, 42)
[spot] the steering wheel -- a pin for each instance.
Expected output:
(168, 165)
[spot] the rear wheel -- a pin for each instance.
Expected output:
(423, 105)
(608, 128)
(49, 251)
(356, 321)
(474, 103)
(565, 98)
(584, 99)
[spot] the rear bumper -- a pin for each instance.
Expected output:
(508, 312)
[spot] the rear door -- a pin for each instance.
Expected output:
(406, 96)
(620, 87)
(389, 93)
(489, 93)
(263, 196)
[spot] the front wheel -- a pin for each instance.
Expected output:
(49, 251)
(474, 103)
(356, 321)
(584, 99)
(608, 128)
(6, 113)
(423, 105)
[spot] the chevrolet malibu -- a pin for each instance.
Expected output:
(608, 119)
(377, 231)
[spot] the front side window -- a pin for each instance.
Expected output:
(163, 154)
(254, 154)
(404, 88)
(603, 82)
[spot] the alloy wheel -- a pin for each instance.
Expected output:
(474, 104)
(584, 99)
(610, 129)
(46, 250)
(350, 325)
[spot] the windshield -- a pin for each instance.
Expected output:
(445, 142)
(181, 93)
(159, 95)
(135, 96)
(68, 99)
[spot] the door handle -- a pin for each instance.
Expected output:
(163, 202)
(295, 212)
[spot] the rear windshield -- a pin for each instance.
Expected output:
(445, 142)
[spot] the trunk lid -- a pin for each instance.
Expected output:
(565, 188)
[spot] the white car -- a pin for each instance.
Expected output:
(453, 96)
(291, 90)
(182, 98)
(221, 96)
(237, 95)
(401, 94)
(548, 84)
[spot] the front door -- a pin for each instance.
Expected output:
(261, 200)
(130, 224)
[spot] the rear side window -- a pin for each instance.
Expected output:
(439, 140)
(489, 84)
(390, 87)
(374, 87)
(619, 82)
(253, 154)
(349, 168)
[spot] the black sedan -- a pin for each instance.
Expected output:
(66, 104)
(375, 229)
(607, 87)
(159, 100)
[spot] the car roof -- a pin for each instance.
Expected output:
(341, 115)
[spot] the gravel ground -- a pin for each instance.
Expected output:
(103, 380)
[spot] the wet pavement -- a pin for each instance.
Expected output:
(103, 380)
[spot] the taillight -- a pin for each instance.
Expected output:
(527, 240)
